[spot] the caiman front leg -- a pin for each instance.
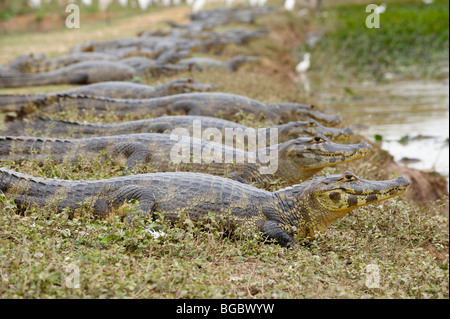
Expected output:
(184, 108)
(158, 128)
(135, 152)
(273, 230)
(142, 195)
(243, 178)
(79, 77)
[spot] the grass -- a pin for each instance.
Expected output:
(41, 252)
(412, 41)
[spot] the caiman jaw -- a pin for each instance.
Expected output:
(191, 85)
(329, 120)
(341, 134)
(350, 192)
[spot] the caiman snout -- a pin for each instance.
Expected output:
(400, 184)
(403, 181)
(348, 131)
(364, 147)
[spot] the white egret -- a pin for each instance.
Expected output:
(35, 4)
(303, 66)
(301, 69)
(198, 5)
(143, 4)
(103, 5)
(289, 5)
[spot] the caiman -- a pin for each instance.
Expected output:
(78, 73)
(88, 72)
(223, 16)
(45, 127)
(292, 161)
(153, 44)
(7, 71)
(22, 62)
(210, 41)
(111, 89)
(29, 63)
(154, 68)
(46, 65)
(291, 213)
(203, 63)
(216, 104)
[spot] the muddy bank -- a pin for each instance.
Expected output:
(426, 186)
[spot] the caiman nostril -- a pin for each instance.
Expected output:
(403, 181)
(348, 130)
(367, 146)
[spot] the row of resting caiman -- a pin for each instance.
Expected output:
(125, 59)
(205, 161)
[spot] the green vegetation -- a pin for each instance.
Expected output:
(413, 40)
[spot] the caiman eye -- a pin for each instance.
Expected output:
(189, 80)
(349, 177)
(318, 139)
(312, 124)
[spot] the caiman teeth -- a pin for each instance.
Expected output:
(397, 190)
(360, 152)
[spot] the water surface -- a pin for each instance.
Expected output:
(411, 117)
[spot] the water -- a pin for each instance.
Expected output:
(412, 117)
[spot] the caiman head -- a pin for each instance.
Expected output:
(311, 154)
(189, 85)
(304, 112)
(293, 130)
(237, 61)
(25, 63)
(343, 193)
(317, 203)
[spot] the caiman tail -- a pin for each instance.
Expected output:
(78, 73)
(10, 177)
(22, 80)
(19, 145)
(44, 126)
(26, 189)
(16, 102)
